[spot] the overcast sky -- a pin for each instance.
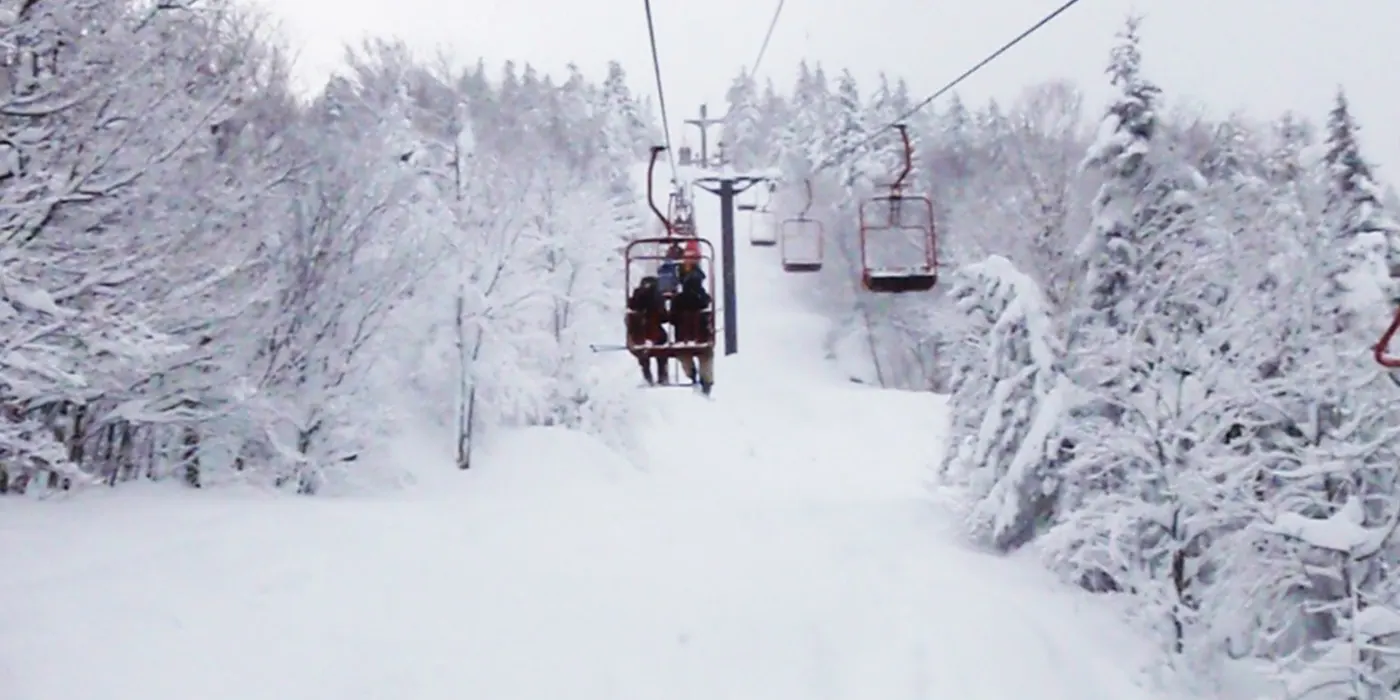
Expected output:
(1256, 56)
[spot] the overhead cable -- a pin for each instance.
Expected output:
(660, 89)
(851, 150)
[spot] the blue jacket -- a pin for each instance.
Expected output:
(668, 277)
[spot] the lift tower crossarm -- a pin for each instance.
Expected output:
(727, 188)
(704, 122)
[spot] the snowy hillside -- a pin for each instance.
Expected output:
(774, 542)
(1151, 378)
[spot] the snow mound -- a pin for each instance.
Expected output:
(541, 459)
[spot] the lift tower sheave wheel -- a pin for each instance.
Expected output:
(802, 240)
(900, 228)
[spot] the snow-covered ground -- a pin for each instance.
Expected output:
(774, 542)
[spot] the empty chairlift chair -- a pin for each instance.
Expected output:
(680, 214)
(762, 229)
(898, 241)
(802, 240)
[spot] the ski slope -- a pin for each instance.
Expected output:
(775, 542)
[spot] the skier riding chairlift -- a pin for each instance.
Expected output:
(691, 318)
(646, 311)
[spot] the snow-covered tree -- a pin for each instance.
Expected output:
(1045, 144)
(97, 125)
(1124, 210)
(1201, 318)
(744, 132)
(625, 134)
(799, 138)
(846, 134)
(1009, 396)
(209, 277)
(1358, 227)
(1336, 556)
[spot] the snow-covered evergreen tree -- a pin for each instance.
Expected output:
(1359, 227)
(1336, 555)
(800, 139)
(1009, 396)
(845, 133)
(218, 301)
(1116, 245)
(624, 130)
(1201, 327)
(744, 131)
(1160, 364)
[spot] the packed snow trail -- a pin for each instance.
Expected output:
(775, 543)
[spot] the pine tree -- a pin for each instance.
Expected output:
(622, 132)
(845, 132)
(800, 137)
(625, 130)
(743, 133)
(1358, 227)
(1157, 359)
(1114, 249)
(1008, 400)
(956, 137)
(891, 101)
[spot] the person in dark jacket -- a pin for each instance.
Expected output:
(692, 316)
(646, 311)
(692, 295)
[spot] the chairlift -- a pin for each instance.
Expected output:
(762, 224)
(680, 214)
(802, 240)
(901, 224)
(688, 337)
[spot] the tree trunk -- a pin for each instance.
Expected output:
(466, 398)
(77, 435)
(189, 455)
(874, 348)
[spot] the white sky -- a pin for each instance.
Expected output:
(1256, 56)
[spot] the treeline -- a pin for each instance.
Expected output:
(203, 275)
(1157, 334)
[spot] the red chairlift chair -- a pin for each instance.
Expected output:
(899, 217)
(648, 254)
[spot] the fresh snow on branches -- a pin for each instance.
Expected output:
(204, 276)
(1155, 329)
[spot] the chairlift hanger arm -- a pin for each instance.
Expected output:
(1382, 349)
(651, 197)
(898, 185)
